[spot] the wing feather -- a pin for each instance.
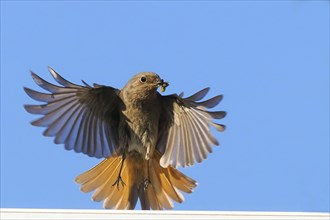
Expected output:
(212, 102)
(61, 80)
(49, 86)
(64, 132)
(185, 128)
(198, 95)
(59, 122)
(80, 117)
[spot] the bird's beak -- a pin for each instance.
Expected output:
(163, 85)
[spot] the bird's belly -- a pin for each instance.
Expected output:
(137, 146)
(142, 130)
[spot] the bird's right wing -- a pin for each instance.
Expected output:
(83, 118)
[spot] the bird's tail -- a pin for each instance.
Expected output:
(155, 186)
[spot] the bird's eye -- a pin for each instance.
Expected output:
(143, 79)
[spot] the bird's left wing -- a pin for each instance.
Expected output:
(83, 118)
(185, 136)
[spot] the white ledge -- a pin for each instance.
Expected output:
(50, 214)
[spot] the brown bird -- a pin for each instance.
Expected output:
(142, 135)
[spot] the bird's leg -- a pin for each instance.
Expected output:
(147, 181)
(119, 179)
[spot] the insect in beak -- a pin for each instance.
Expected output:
(163, 85)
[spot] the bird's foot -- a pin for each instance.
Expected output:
(146, 183)
(118, 182)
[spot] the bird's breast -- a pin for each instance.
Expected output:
(142, 128)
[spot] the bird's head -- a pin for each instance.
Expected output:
(146, 82)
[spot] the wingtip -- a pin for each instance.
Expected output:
(207, 89)
(34, 123)
(33, 74)
(219, 127)
(26, 107)
(37, 79)
(50, 69)
(224, 127)
(26, 89)
(52, 72)
(29, 92)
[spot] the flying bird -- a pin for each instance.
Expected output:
(142, 135)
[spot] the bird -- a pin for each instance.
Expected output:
(142, 136)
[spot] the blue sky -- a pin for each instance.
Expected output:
(270, 59)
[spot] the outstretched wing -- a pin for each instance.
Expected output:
(185, 135)
(83, 118)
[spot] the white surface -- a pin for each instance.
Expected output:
(171, 215)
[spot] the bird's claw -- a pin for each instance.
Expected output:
(119, 181)
(146, 183)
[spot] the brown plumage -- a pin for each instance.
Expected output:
(142, 135)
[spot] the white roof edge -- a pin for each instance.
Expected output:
(83, 214)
